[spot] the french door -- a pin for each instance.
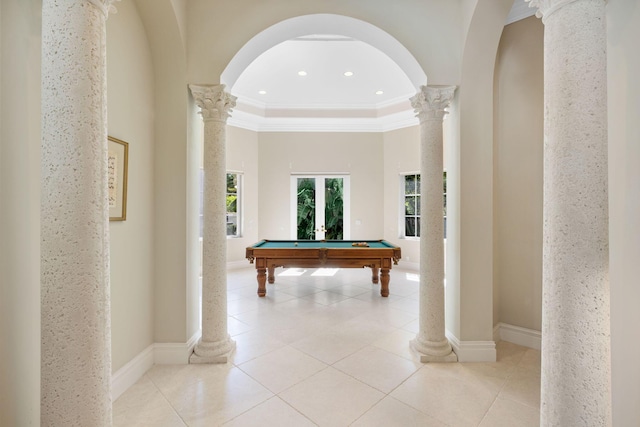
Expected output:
(320, 207)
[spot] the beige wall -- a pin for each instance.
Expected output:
(175, 172)
(130, 100)
(284, 153)
(401, 155)
(469, 302)
(623, 25)
(518, 143)
(20, 212)
(242, 156)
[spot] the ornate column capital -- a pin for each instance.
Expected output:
(105, 6)
(431, 101)
(548, 7)
(214, 102)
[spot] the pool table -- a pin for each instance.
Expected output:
(378, 255)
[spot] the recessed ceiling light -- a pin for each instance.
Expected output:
(262, 92)
(348, 73)
(379, 92)
(302, 73)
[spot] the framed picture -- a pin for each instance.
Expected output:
(118, 164)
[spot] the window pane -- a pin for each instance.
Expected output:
(417, 184)
(410, 184)
(410, 227)
(417, 202)
(410, 205)
(232, 203)
(232, 183)
(232, 225)
(444, 207)
(417, 227)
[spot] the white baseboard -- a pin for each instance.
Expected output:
(175, 353)
(127, 376)
(472, 351)
(155, 354)
(517, 335)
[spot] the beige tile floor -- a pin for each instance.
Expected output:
(329, 351)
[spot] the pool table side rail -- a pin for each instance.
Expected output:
(328, 256)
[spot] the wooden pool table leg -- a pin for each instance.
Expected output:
(262, 282)
(271, 276)
(384, 282)
(374, 274)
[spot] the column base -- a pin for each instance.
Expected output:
(212, 352)
(438, 352)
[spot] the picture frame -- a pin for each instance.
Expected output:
(118, 169)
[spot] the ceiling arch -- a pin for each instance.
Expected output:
(323, 24)
(326, 103)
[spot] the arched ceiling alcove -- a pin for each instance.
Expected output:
(292, 77)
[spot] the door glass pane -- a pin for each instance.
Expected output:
(306, 216)
(334, 208)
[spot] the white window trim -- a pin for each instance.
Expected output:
(401, 209)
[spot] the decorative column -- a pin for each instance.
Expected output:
(215, 344)
(75, 313)
(576, 363)
(431, 342)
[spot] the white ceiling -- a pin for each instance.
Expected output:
(325, 99)
(325, 59)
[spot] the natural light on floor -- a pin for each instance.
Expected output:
(413, 277)
(293, 272)
(317, 272)
(325, 272)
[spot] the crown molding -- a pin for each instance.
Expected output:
(519, 11)
(259, 117)
(258, 123)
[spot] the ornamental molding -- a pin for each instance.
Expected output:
(214, 102)
(105, 6)
(546, 8)
(430, 103)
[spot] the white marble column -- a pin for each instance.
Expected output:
(576, 371)
(431, 342)
(215, 345)
(75, 313)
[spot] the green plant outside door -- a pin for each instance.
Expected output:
(320, 208)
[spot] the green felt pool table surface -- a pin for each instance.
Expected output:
(379, 244)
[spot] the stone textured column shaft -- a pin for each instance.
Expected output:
(75, 315)
(215, 344)
(431, 341)
(576, 371)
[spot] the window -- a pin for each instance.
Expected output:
(233, 201)
(410, 216)
(234, 181)
(411, 200)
